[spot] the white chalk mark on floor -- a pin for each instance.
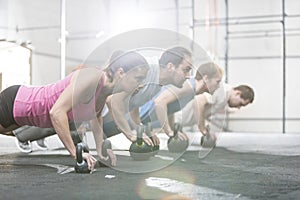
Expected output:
(164, 157)
(61, 169)
(189, 190)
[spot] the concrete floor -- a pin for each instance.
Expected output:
(242, 166)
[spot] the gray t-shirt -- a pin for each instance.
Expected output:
(150, 89)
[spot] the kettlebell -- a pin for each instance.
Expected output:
(148, 130)
(139, 150)
(105, 145)
(207, 141)
(81, 165)
(176, 145)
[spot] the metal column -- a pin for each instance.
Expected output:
(62, 39)
(283, 67)
(226, 125)
(177, 19)
(193, 25)
(226, 41)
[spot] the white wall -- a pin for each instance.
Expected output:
(14, 71)
(265, 75)
(37, 21)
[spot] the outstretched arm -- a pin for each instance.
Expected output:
(59, 119)
(169, 95)
(135, 118)
(117, 107)
(97, 128)
(64, 104)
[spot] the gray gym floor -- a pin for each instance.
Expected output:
(242, 166)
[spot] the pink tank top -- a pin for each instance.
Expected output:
(33, 104)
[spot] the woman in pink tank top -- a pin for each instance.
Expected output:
(77, 98)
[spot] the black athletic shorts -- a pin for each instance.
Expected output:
(7, 99)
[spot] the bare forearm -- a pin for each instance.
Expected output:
(200, 103)
(201, 120)
(171, 120)
(61, 126)
(135, 117)
(97, 130)
(123, 126)
(119, 115)
(162, 116)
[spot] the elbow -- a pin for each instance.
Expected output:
(54, 115)
(158, 103)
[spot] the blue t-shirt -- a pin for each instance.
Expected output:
(147, 111)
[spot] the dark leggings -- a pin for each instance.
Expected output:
(32, 133)
(7, 99)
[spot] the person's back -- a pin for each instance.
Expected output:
(207, 105)
(215, 102)
(32, 104)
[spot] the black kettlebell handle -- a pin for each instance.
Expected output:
(139, 135)
(148, 129)
(208, 131)
(106, 145)
(177, 128)
(79, 149)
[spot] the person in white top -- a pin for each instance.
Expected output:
(205, 105)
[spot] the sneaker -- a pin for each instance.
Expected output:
(41, 144)
(24, 147)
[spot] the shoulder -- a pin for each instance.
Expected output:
(86, 75)
(204, 98)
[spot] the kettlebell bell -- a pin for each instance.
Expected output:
(176, 145)
(81, 165)
(105, 145)
(148, 130)
(139, 150)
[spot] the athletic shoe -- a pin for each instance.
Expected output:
(41, 144)
(24, 147)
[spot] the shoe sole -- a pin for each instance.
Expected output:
(22, 150)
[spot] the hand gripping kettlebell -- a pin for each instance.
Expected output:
(81, 165)
(105, 145)
(174, 143)
(139, 150)
(148, 130)
(207, 141)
